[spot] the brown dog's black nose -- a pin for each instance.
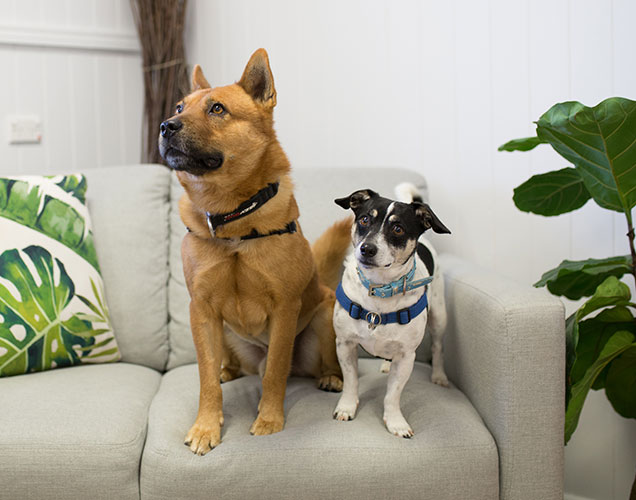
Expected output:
(170, 127)
(368, 249)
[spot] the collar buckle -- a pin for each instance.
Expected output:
(210, 224)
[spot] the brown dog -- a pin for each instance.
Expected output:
(257, 305)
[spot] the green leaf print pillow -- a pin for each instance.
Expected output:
(52, 307)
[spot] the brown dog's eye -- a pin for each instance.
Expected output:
(364, 221)
(398, 230)
(217, 108)
(179, 108)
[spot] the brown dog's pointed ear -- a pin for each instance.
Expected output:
(198, 80)
(428, 218)
(257, 79)
(354, 200)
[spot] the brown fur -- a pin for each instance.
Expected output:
(254, 298)
(332, 246)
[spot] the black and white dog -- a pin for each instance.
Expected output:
(391, 291)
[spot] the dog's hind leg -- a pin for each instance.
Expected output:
(436, 326)
(230, 364)
(330, 374)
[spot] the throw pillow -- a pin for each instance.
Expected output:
(52, 307)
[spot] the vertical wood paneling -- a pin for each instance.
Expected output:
(8, 105)
(509, 118)
(107, 97)
(90, 102)
(131, 108)
(548, 240)
(436, 89)
(592, 78)
(474, 133)
(58, 103)
(30, 101)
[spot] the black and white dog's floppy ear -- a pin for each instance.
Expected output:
(354, 200)
(428, 218)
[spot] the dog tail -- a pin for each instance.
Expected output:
(407, 192)
(330, 250)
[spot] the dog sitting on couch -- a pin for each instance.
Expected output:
(257, 301)
(390, 292)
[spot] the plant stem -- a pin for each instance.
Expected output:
(630, 236)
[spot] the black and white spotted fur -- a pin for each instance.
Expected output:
(387, 237)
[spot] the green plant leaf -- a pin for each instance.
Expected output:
(620, 384)
(523, 144)
(576, 279)
(618, 343)
(601, 143)
(594, 334)
(611, 292)
(36, 332)
(553, 193)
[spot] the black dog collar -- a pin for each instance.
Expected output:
(245, 208)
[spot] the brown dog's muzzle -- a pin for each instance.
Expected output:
(181, 154)
(170, 127)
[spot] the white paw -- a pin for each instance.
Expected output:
(439, 378)
(398, 426)
(346, 409)
(386, 366)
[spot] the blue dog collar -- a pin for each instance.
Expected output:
(402, 317)
(403, 285)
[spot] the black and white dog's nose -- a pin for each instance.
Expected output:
(170, 127)
(368, 249)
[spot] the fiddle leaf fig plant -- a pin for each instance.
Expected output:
(600, 145)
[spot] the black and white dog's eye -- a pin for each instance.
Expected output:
(364, 221)
(398, 230)
(217, 109)
(179, 108)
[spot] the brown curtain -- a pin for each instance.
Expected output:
(160, 25)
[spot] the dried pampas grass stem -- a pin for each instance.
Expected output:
(160, 25)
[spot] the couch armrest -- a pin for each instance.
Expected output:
(505, 349)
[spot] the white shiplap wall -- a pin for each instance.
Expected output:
(76, 64)
(437, 86)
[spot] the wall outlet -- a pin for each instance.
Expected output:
(25, 129)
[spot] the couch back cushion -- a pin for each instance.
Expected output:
(130, 206)
(316, 188)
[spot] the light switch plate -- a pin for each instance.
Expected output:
(25, 129)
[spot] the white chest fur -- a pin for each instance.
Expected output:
(386, 341)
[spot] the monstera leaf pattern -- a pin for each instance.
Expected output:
(45, 322)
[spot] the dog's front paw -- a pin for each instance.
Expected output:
(263, 426)
(331, 383)
(439, 378)
(345, 409)
(204, 435)
(397, 425)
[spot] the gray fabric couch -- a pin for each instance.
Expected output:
(116, 431)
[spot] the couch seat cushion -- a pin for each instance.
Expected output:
(452, 454)
(74, 432)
